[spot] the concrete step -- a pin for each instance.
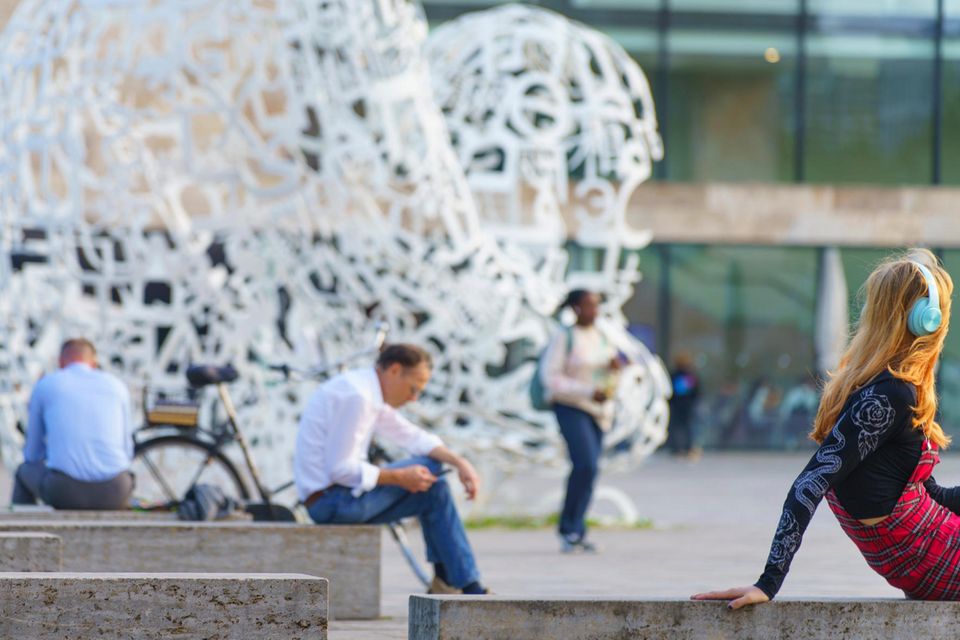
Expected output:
(59, 606)
(348, 556)
(29, 551)
(495, 618)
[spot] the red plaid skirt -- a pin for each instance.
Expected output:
(917, 548)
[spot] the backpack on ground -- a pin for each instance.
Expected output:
(205, 502)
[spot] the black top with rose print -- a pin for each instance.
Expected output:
(866, 459)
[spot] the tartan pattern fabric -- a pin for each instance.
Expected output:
(917, 548)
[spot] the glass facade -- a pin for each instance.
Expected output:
(950, 134)
(730, 116)
(868, 108)
(824, 91)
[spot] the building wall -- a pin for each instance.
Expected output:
(797, 215)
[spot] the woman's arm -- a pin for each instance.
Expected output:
(874, 415)
(948, 497)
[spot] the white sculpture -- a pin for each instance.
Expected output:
(207, 181)
(549, 115)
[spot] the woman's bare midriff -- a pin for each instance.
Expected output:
(872, 521)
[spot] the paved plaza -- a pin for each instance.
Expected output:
(713, 521)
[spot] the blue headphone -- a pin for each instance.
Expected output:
(925, 317)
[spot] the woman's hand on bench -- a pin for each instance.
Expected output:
(738, 596)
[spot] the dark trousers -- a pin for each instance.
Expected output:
(680, 435)
(584, 444)
(35, 481)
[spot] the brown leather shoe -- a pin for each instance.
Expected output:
(440, 588)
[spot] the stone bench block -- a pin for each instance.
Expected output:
(495, 618)
(59, 606)
(348, 556)
(29, 512)
(47, 513)
(30, 551)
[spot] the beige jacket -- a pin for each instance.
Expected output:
(571, 374)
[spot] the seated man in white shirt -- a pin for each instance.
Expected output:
(79, 441)
(337, 483)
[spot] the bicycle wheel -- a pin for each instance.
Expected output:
(166, 467)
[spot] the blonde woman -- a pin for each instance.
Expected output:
(879, 443)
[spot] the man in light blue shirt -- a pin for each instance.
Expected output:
(79, 441)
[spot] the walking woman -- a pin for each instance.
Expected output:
(879, 443)
(579, 374)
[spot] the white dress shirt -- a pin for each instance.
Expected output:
(337, 425)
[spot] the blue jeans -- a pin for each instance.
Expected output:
(584, 444)
(443, 532)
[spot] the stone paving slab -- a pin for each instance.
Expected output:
(68, 606)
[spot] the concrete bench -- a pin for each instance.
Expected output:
(348, 556)
(494, 618)
(30, 551)
(48, 513)
(20, 512)
(135, 605)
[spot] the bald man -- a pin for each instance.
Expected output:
(79, 441)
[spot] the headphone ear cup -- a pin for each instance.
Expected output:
(932, 318)
(915, 317)
(923, 319)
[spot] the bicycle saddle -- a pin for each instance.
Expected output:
(201, 375)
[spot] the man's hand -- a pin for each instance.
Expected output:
(468, 475)
(738, 596)
(469, 478)
(415, 478)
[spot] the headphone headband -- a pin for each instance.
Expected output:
(932, 293)
(925, 316)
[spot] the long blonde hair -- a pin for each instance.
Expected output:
(883, 342)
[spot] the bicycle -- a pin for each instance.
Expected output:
(179, 454)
